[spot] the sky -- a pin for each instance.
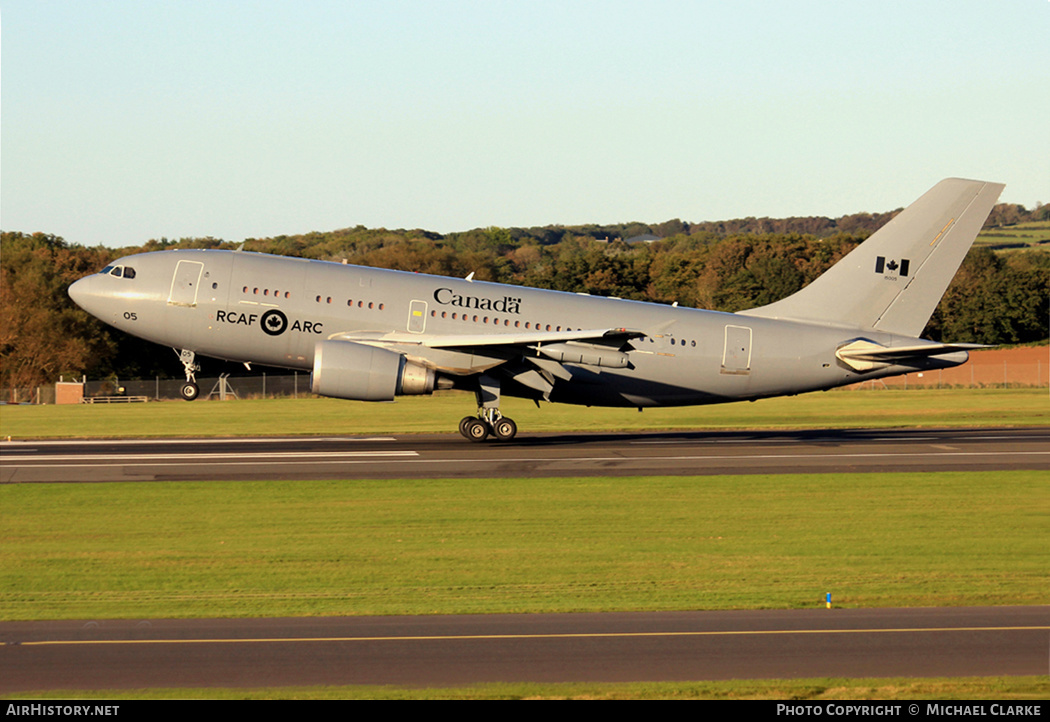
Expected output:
(126, 121)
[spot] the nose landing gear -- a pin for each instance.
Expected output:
(189, 390)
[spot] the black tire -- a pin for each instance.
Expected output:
(463, 426)
(190, 391)
(504, 429)
(477, 430)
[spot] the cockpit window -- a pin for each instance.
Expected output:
(118, 271)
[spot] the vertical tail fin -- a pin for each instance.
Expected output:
(894, 280)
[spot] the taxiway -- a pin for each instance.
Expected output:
(470, 649)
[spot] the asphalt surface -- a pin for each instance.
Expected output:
(435, 651)
(461, 650)
(737, 452)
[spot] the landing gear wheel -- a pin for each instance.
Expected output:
(189, 390)
(477, 430)
(504, 429)
(463, 425)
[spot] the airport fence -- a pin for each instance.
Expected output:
(977, 373)
(974, 374)
(158, 389)
(240, 387)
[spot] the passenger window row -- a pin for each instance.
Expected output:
(497, 321)
(676, 342)
(266, 292)
(274, 293)
(360, 304)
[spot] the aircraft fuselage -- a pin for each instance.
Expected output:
(274, 310)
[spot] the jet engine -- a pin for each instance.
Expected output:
(348, 370)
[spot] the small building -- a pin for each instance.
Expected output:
(69, 392)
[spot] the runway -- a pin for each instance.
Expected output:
(431, 456)
(461, 650)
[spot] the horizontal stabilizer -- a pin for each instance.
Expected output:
(864, 355)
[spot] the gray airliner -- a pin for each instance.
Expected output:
(371, 334)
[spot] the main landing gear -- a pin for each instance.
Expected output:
(478, 428)
(489, 419)
(189, 390)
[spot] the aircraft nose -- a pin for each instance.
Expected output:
(80, 292)
(87, 294)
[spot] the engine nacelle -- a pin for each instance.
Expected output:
(348, 370)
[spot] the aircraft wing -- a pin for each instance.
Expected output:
(605, 336)
(534, 359)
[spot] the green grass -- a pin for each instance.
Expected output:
(972, 688)
(408, 546)
(441, 413)
(1035, 235)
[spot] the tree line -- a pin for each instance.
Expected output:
(996, 298)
